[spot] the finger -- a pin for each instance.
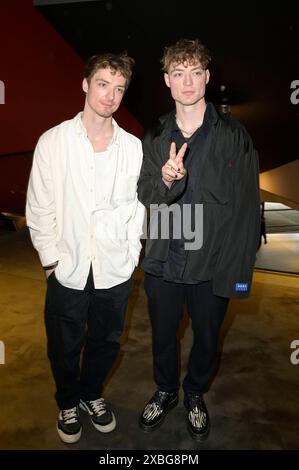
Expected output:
(172, 152)
(171, 173)
(168, 171)
(182, 152)
(179, 176)
(180, 167)
(182, 172)
(171, 164)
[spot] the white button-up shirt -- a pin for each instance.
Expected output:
(76, 218)
(103, 167)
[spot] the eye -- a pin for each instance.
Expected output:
(197, 73)
(120, 90)
(177, 74)
(102, 84)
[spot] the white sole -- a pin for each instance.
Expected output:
(102, 428)
(69, 438)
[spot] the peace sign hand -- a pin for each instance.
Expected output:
(174, 168)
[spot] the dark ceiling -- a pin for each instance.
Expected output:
(254, 47)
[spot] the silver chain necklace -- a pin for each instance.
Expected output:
(190, 132)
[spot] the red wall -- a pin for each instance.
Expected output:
(42, 77)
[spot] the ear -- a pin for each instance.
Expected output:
(207, 76)
(166, 78)
(85, 85)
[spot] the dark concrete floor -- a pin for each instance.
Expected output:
(253, 401)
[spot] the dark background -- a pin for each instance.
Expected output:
(254, 47)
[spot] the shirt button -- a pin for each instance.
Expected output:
(91, 168)
(91, 190)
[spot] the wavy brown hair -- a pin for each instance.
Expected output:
(116, 62)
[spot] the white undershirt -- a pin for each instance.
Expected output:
(103, 167)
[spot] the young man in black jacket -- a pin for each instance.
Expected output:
(200, 166)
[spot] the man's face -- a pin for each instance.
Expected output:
(187, 82)
(104, 91)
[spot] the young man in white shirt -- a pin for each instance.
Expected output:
(85, 222)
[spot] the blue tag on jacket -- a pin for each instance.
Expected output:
(241, 286)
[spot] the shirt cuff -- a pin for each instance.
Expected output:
(49, 256)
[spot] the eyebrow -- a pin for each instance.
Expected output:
(177, 69)
(105, 81)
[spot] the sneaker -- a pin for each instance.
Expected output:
(198, 421)
(156, 409)
(68, 425)
(101, 417)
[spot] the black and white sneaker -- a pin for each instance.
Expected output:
(156, 409)
(68, 425)
(198, 421)
(101, 416)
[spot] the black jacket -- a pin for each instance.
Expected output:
(227, 184)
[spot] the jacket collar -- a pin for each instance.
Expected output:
(167, 120)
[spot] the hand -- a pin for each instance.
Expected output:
(49, 272)
(174, 168)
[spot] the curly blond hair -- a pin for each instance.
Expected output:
(185, 51)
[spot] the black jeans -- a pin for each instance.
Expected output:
(207, 311)
(91, 320)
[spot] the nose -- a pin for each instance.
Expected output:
(110, 94)
(187, 79)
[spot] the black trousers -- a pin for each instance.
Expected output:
(91, 320)
(207, 311)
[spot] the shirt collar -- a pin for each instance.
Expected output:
(207, 119)
(81, 129)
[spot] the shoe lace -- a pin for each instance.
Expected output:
(98, 406)
(70, 416)
(159, 398)
(195, 401)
